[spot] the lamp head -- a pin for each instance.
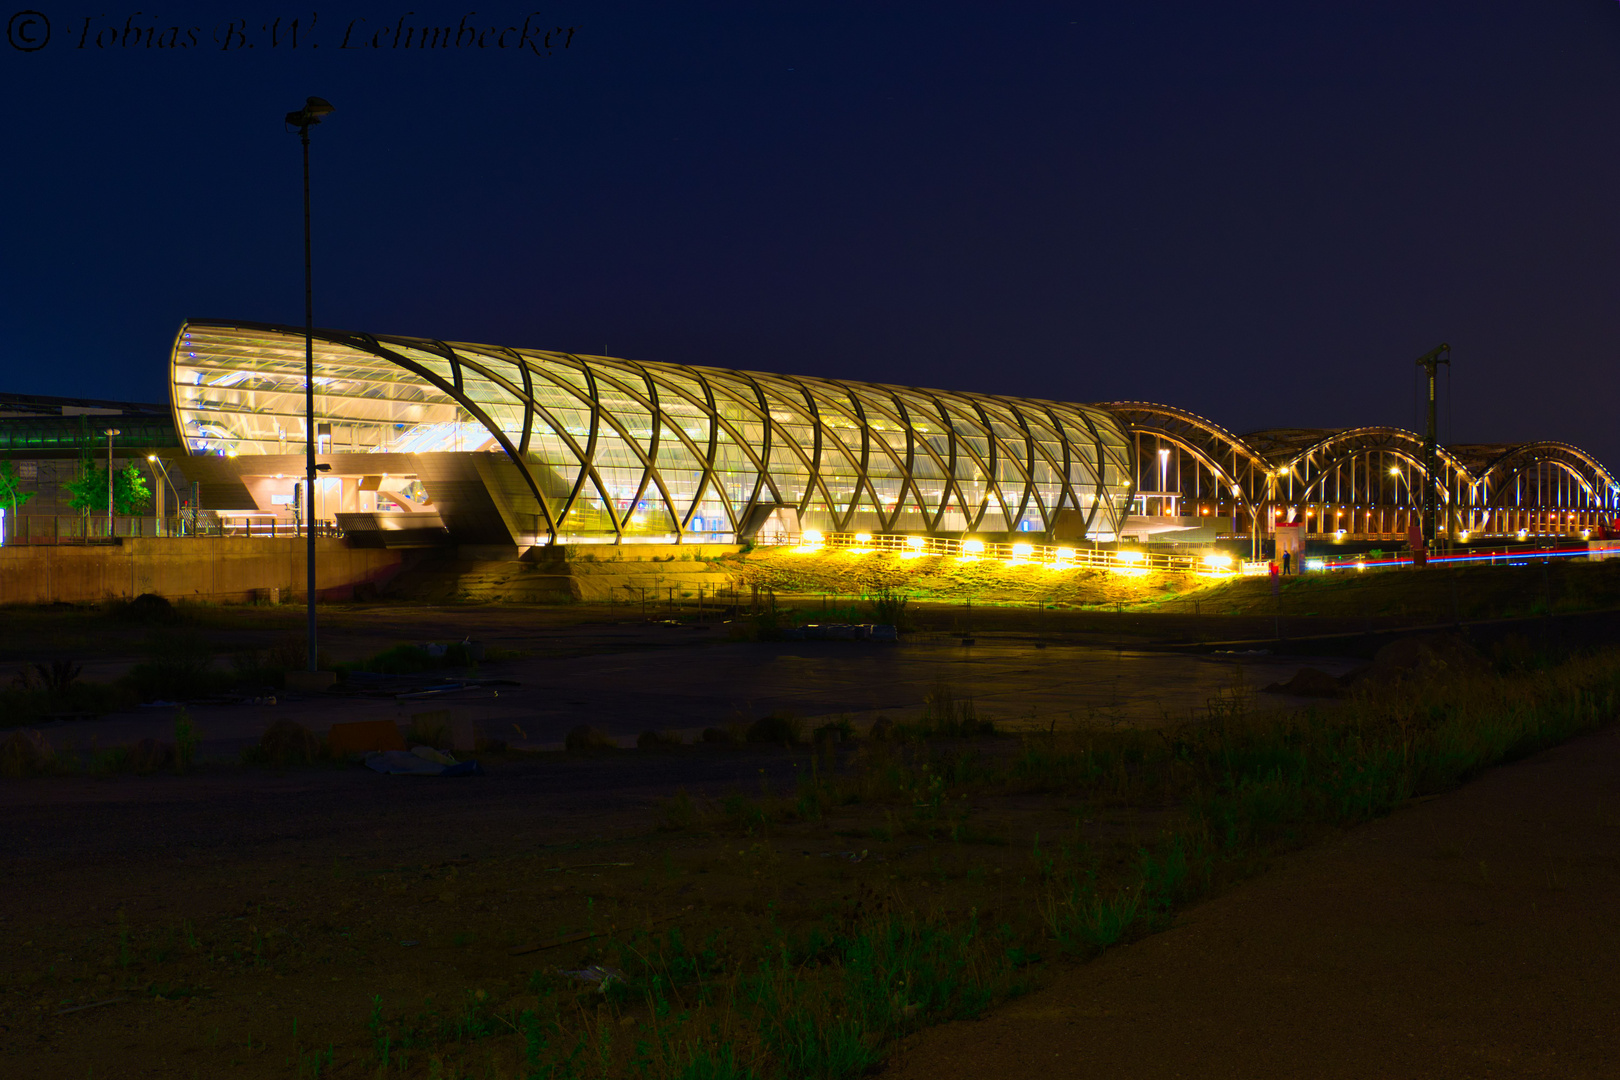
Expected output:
(310, 115)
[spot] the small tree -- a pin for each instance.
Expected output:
(87, 492)
(11, 495)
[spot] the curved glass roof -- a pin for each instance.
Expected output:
(614, 449)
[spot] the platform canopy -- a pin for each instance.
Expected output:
(608, 449)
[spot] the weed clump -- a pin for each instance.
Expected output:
(889, 606)
(412, 659)
(430, 729)
(151, 755)
(26, 753)
(286, 742)
(586, 739)
(659, 740)
(180, 668)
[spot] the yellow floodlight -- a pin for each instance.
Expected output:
(1128, 556)
(863, 538)
(915, 543)
(1023, 551)
(1065, 553)
(810, 537)
(973, 547)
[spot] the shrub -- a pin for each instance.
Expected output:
(889, 606)
(659, 740)
(834, 731)
(782, 728)
(148, 609)
(586, 739)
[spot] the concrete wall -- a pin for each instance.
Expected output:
(221, 569)
(594, 573)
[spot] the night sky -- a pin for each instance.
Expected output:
(1263, 212)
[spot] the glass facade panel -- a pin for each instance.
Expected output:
(673, 452)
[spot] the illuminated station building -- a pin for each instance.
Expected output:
(428, 442)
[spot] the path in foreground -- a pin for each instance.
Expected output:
(1472, 935)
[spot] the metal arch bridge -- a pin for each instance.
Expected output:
(1358, 483)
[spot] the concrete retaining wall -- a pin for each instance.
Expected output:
(592, 573)
(221, 569)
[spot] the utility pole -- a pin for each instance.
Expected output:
(1430, 362)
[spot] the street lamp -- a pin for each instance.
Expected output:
(153, 458)
(304, 119)
(110, 433)
(1164, 482)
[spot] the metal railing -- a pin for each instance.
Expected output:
(1053, 556)
(77, 529)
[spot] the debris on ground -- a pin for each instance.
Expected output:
(597, 973)
(422, 761)
(364, 736)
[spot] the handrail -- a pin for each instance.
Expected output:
(1052, 556)
(53, 530)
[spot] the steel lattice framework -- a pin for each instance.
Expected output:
(1369, 480)
(614, 449)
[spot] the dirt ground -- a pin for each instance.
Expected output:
(1476, 934)
(246, 921)
(564, 666)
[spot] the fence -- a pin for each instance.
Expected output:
(54, 529)
(1052, 556)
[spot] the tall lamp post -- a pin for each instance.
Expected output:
(110, 433)
(304, 119)
(162, 519)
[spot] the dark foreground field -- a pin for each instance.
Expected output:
(719, 910)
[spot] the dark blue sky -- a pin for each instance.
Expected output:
(1261, 211)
